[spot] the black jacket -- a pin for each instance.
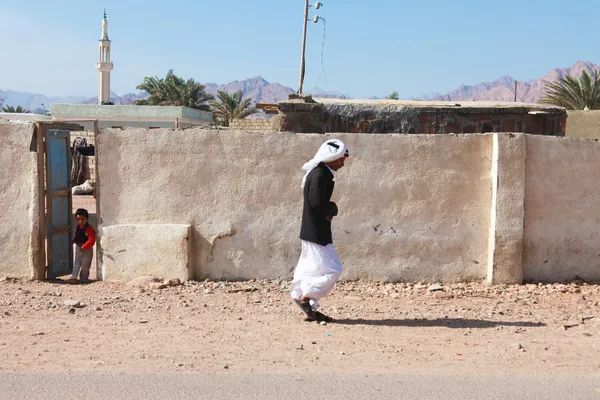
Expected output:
(317, 206)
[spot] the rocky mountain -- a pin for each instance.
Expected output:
(257, 88)
(116, 99)
(262, 91)
(33, 101)
(503, 88)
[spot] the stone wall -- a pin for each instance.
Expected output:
(585, 124)
(19, 227)
(384, 116)
(254, 124)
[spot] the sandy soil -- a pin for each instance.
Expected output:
(253, 326)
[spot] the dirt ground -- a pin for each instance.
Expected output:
(253, 326)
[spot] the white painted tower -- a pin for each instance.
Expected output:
(104, 66)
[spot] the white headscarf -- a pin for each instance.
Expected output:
(329, 151)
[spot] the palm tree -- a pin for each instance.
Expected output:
(18, 110)
(174, 91)
(230, 106)
(575, 94)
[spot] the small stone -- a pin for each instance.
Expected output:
(323, 323)
(157, 285)
(142, 281)
(442, 295)
(569, 325)
(226, 367)
(180, 365)
(98, 309)
(172, 282)
(72, 311)
(144, 321)
(72, 303)
(435, 287)
(517, 346)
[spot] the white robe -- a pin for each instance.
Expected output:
(317, 272)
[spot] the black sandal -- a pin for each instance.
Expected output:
(322, 317)
(307, 309)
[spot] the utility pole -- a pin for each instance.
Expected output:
(515, 91)
(303, 47)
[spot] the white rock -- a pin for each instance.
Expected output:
(72, 303)
(435, 287)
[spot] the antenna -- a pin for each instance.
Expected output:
(315, 19)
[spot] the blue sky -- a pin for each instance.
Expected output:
(371, 48)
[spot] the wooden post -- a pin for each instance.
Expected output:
(516, 91)
(97, 196)
(303, 47)
(40, 274)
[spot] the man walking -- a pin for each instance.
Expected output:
(319, 266)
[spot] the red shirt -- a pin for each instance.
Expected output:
(85, 237)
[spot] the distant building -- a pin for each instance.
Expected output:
(104, 65)
(24, 117)
(131, 116)
(307, 115)
(123, 116)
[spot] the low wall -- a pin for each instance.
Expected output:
(584, 124)
(411, 207)
(18, 201)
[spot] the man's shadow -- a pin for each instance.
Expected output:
(454, 323)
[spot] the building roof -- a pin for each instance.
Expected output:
(95, 111)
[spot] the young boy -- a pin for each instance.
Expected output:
(84, 239)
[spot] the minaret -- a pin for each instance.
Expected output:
(104, 66)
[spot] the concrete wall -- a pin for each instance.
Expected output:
(501, 207)
(412, 207)
(584, 124)
(18, 201)
(562, 209)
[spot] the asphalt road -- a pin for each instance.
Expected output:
(234, 385)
